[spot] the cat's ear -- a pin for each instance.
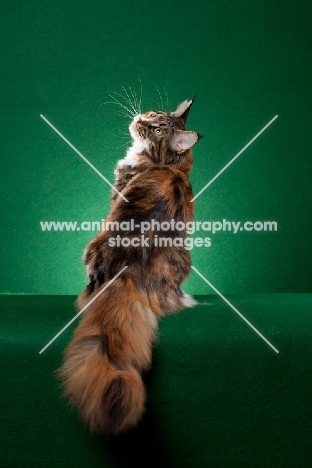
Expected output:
(183, 109)
(182, 140)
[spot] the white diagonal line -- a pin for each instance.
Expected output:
(235, 310)
(84, 308)
(235, 157)
(82, 156)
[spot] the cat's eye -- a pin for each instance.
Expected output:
(157, 131)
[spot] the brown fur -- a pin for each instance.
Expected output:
(112, 345)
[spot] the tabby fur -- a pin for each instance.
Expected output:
(112, 345)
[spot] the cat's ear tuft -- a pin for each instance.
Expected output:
(182, 140)
(183, 109)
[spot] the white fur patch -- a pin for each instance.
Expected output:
(137, 146)
(131, 156)
(188, 300)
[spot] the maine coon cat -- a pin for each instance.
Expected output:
(112, 345)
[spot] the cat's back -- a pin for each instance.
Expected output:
(156, 181)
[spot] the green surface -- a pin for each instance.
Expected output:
(218, 395)
(247, 60)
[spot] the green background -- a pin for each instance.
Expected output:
(218, 396)
(247, 60)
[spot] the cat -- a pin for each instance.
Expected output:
(112, 345)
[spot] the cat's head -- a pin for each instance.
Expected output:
(161, 136)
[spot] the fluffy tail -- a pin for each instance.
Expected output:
(110, 349)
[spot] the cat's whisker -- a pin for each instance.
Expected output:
(167, 100)
(140, 102)
(136, 98)
(120, 136)
(129, 101)
(157, 104)
(162, 103)
(103, 103)
(136, 103)
(124, 144)
(123, 106)
(121, 131)
(123, 114)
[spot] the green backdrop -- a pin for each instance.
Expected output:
(218, 396)
(247, 60)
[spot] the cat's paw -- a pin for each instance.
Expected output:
(188, 300)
